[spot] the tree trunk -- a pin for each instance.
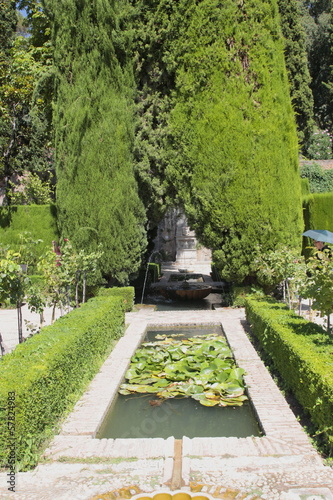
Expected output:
(19, 321)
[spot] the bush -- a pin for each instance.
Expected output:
(126, 293)
(320, 145)
(320, 180)
(49, 372)
(36, 222)
(301, 352)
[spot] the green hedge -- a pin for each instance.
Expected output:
(126, 293)
(49, 372)
(154, 271)
(301, 352)
(318, 212)
(38, 220)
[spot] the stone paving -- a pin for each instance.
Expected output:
(281, 464)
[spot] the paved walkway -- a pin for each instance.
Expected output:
(280, 465)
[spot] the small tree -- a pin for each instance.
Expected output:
(281, 266)
(13, 284)
(319, 284)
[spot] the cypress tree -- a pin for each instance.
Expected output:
(234, 132)
(154, 84)
(97, 194)
(297, 68)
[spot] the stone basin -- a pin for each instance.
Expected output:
(185, 291)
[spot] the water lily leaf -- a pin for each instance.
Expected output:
(125, 392)
(208, 402)
(213, 396)
(138, 388)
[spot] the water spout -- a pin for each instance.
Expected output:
(146, 275)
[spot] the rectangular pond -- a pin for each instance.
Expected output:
(148, 416)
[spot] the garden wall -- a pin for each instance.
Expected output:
(301, 352)
(44, 377)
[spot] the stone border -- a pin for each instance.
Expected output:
(283, 435)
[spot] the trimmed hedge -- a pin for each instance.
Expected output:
(301, 352)
(318, 211)
(127, 293)
(49, 372)
(318, 214)
(39, 220)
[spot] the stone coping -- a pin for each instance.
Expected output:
(282, 434)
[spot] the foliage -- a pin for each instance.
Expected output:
(97, 195)
(320, 145)
(154, 80)
(317, 209)
(297, 68)
(25, 100)
(50, 371)
(35, 223)
(33, 191)
(319, 283)
(201, 367)
(282, 265)
(127, 294)
(316, 19)
(302, 353)
(13, 285)
(231, 98)
(320, 180)
(62, 273)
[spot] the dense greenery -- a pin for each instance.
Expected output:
(320, 180)
(97, 196)
(137, 83)
(235, 163)
(28, 229)
(25, 97)
(302, 354)
(316, 19)
(201, 367)
(49, 372)
(154, 80)
(318, 211)
(297, 67)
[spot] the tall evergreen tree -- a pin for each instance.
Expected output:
(234, 132)
(154, 84)
(316, 18)
(297, 68)
(97, 194)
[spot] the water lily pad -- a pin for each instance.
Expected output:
(201, 367)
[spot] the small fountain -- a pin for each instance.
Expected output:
(146, 274)
(183, 287)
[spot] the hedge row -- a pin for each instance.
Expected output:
(39, 220)
(44, 377)
(301, 352)
(127, 293)
(318, 212)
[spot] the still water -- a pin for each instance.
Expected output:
(146, 416)
(134, 417)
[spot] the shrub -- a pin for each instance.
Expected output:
(301, 352)
(36, 222)
(320, 145)
(126, 293)
(320, 180)
(49, 372)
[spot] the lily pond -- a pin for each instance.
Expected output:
(183, 382)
